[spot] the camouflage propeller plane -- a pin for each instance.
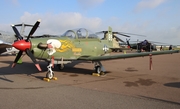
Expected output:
(73, 45)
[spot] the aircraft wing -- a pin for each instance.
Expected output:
(3, 46)
(123, 56)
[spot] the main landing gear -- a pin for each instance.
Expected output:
(61, 65)
(99, 69)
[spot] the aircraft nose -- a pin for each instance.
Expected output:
(22, 45)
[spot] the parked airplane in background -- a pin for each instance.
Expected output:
(73, 45)
(7, 38)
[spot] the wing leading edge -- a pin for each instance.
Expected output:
(123, 56)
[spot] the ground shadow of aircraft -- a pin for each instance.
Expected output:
(71, 70)
(5, 70)
(173, 84)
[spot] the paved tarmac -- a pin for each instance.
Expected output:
(128, 84)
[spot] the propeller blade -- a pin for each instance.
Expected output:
(28, 52)
(33, 29)
(17, 58)
(17, 32)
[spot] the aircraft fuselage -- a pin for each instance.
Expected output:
(69, 48)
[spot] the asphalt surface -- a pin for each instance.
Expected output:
(128, 84)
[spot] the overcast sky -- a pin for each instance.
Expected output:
(159, 20)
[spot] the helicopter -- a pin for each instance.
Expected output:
(118, 43)
(144, 45)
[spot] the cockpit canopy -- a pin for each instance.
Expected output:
(79, 34)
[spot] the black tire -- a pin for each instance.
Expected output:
(98, 69)
(49, 76)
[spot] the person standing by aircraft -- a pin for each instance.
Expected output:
(161, 48)
(170, 47)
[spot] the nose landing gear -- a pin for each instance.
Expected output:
(50, 73)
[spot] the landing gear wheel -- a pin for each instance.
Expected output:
(49, 75)
(98, 69)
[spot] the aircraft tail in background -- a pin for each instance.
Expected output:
(23, 25)
(109, 36)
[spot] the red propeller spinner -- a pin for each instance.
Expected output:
(22, 45)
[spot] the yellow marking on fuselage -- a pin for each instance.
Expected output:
(76, 49)
(65, 45)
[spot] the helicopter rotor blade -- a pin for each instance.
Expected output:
(121, 34)
(133, 34)
(101, 32)
(118, 38)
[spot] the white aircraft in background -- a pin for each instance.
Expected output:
(7, 38)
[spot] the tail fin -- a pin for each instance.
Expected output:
(23, 25)
(109, 36)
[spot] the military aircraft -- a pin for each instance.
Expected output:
(118, 43)
(73, 45)
(7, 38)
(114, 34)
(115, 40)
(143, 45)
